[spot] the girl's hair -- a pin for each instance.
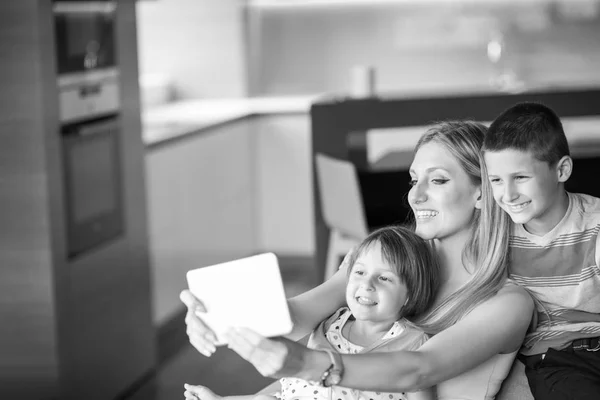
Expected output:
(485, 255)
(412, 259)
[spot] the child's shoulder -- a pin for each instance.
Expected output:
(341, 313)
(412, 336)
(585, 213)
(585, 203)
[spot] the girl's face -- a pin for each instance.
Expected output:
(442, 196)
(374, 292)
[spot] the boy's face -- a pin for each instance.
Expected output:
(374, 292)
(526, 188)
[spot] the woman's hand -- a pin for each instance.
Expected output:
(275, 358)
(201, 337)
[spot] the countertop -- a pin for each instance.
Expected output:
(177, 119)
(393, 148)
(174, 120)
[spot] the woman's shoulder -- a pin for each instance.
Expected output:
(514, 291)
(500, 321)
(512, 304)
(509, 296)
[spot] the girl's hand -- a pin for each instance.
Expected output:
(199, 393)
(275, 358)
(200, 335)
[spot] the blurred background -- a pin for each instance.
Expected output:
(142, 139)
(288, 47)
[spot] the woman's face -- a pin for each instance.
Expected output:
(442, 197)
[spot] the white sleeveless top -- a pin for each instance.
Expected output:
(480, 383)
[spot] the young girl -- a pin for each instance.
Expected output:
(393, 275)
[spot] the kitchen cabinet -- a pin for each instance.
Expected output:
(284, 184)
(201, 194)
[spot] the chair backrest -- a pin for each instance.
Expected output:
(341, 200)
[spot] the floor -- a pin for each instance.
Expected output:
(225, 372)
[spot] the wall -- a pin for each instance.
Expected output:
(415, 46)
(197, 43)
(273, 50)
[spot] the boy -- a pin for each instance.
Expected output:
(555, 249)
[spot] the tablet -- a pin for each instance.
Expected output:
(247, 292)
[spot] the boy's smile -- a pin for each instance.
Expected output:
(529, 190)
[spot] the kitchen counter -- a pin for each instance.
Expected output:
(335, 121)
(390, 149)
(161, 124)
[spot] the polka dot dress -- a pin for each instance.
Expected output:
(343, 345)
(299, 389)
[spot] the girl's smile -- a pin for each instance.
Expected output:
(375, 293)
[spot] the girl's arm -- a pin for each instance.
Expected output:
(496, 326)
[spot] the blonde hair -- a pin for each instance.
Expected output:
(485, 254)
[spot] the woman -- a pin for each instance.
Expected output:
(478, 319)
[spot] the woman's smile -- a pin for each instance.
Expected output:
(425, 214)
(443, 197)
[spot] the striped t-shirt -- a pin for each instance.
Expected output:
(561, 269)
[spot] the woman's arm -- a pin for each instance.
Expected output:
(425, 394)
(310, 308)
(496, 326)
(199, 392)
(306, 310)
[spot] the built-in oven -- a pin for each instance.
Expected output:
(93, 185)
(85, 36)
(86, 61)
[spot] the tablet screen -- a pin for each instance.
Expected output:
(247, 292)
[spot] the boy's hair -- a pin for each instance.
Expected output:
(412, 259)
(530, 127)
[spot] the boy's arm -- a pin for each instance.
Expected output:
(597, 258)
